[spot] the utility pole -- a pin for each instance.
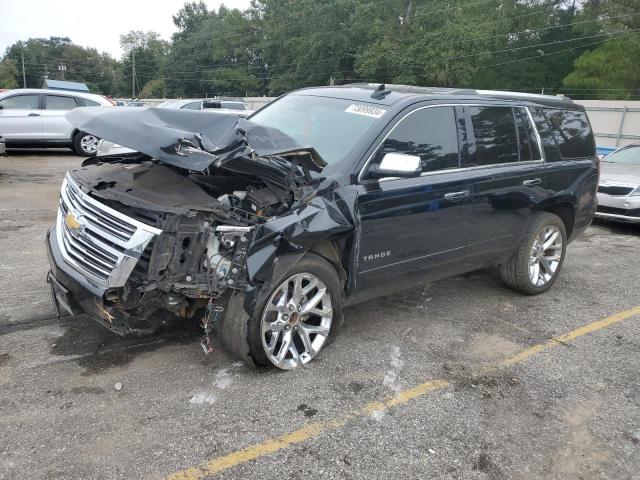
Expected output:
(24, 77)
(133, 74)
(62, 67)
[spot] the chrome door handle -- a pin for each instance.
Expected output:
(456, 195)
(533, 181)
(34, 114)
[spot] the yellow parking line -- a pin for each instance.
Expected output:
(238, 457)
(572, 335)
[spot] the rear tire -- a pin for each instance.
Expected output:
(85, 144)
(536, 264)
(281, 333)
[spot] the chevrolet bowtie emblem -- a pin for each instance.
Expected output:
(72, 222)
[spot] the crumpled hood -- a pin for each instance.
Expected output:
(193, 140)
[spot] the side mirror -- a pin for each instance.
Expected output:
(397, 165)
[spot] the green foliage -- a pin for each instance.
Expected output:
(212, 53)
(150, 53)
(613, 65)
(8, 74)
(154, 89)
(44, 58)
(278, 45)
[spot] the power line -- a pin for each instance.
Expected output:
(507, 34)
(433, 62)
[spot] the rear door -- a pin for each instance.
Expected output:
(21, 118)
(507, 166)
(414, 227)
(55, 126)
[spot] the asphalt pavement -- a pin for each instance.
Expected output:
(458, 379)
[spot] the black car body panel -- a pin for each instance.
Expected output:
(266, 200)
(191, 140)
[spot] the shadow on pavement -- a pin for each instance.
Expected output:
(20, 152)
(95, 348)
(619, 228)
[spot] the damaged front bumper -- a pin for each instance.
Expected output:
(92, 251)
(74, 294)
(95, 252)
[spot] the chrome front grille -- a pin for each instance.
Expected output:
(99, 242)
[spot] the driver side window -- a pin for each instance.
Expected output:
(430, 134)
(20, 102)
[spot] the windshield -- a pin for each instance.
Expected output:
(628, 156)
(332, 126)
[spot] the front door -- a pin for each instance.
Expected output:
(414, 228)
(21, 118)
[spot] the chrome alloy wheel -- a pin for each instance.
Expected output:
(296, 321)
(545, 255)
(89, 144)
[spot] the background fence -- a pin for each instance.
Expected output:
(615, 123)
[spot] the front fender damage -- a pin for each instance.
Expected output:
(238, 205)
(324, 224)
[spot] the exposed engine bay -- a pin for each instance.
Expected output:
(150, 240)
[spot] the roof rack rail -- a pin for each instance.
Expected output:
(498, 93)
(455, 91)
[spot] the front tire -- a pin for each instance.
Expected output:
(298, 317)
(536, 264)
(85, 144)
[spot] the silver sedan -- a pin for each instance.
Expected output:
(619, 189)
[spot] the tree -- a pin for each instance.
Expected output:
(154, 89)
(58, 58)
(8, 74)
(304, 43)
(150, 53)
(190, 17)
(213, 53)
(612, 70)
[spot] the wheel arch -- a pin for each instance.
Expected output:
(330, 252)
(566, 211)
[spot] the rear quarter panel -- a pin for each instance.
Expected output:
(572, 181)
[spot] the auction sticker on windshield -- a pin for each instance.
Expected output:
(366, 110)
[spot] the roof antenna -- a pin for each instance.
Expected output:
(380, 92)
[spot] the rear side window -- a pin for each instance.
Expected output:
(429, 133)
(192, 106)
(26, 102)
(83, 102)
(56, 102)
(572, 132)
(495, 136)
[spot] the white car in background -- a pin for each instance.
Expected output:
(619, 188)
(32, 117)
(231, 106)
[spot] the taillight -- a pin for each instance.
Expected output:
(109, 100)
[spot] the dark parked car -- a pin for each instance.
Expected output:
(264, 229)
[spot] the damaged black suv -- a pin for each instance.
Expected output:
(264, 229)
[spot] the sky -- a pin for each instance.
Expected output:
(91, 23)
